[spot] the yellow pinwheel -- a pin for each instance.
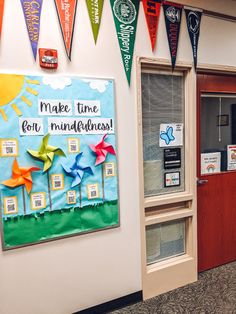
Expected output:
(46, 153)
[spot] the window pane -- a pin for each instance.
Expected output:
(165, 240)
(162, 104)
(218, 133)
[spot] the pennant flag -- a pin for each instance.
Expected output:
(193, 17)
(95, 14)
(1, 14)
(66, 11)
(32, 13)
(125, 13)
(152, 13)
(173, 15)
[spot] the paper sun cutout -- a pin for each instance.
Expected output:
(21, 176)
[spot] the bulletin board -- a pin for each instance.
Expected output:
(58, 155)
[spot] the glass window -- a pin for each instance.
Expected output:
(165, 240)
(218, 133)
(163, 133)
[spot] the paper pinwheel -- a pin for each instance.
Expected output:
(77, 170)
(101, 150)
(21, 176)
(46, 153)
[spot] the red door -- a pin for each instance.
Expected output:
(216, 192)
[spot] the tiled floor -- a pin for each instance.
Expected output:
(214, 293)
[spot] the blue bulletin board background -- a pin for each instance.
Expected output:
(19, 100)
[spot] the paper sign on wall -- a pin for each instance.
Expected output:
(210, 163)
(171, 134)
(231, 157)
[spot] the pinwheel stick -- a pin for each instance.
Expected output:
(23, 197)
(80, 195)
(103, 183)
(49, 191)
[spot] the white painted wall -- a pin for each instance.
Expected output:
(72, 274)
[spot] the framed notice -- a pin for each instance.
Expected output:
(171, 179)
(210, 163)
(231, 157)
(58, 158)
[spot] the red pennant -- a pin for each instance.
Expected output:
(66, 11)
(152, 12)
(1, 14)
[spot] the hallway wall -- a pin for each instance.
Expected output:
(75, 273)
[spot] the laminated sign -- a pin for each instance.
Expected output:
(59, 173)
(125, 13)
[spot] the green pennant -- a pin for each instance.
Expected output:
(125, 13)
(95, 14)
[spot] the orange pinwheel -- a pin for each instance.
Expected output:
(21, 176)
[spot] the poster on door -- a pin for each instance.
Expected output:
(58, 136)
(171, 134)
(231, 157)
(210, 163)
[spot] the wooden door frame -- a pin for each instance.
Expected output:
(179, 271)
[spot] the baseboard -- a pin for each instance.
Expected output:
(114, 304)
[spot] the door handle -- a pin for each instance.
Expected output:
(201, 182)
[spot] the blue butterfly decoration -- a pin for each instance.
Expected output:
(167, 136)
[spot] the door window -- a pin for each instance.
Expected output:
(218, 133)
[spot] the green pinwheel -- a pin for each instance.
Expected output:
(47, 153)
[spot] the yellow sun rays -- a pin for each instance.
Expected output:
(10, 88)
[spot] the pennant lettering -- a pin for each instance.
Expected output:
(173, 15)
(193, 17)
(1, 14)
(66, 11)
(152, 13)
(32, 12)
(95, 8)
(125, 13)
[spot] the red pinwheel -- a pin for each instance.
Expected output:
(101, 150)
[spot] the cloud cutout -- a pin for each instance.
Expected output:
(99, 85)
(57, 82)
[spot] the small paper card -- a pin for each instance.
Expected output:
(210, 163)
(10, 205)
(172, 179)
(38, 200)
(54, 107)
(171, 134)
(73, 145)
(71, 197)
(57, 181)
(109, 169)
(9, 147)
(92, 190)
(231, 157)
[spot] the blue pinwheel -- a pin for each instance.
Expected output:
(77, 172)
